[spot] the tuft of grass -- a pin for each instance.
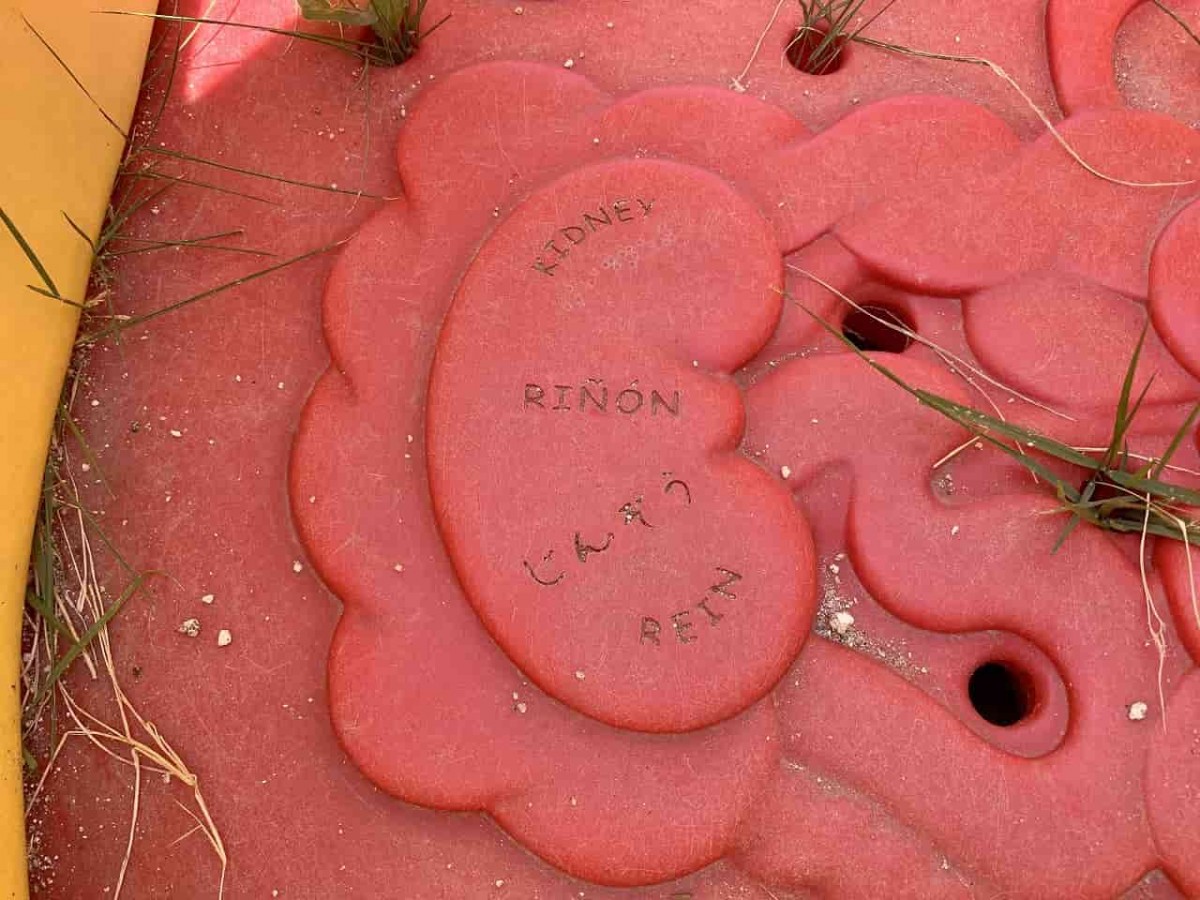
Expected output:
(1116, 496)
(396, 24)
(826, 27)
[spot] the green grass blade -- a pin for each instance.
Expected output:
(30, 254)
(127, 210)
(206, 185)
(203, 295)
(324, 11)
(355, 48)
(1172, 493)
(69, 421)
(79, 231)
(1121, 419)
(1071, 525)
(150, 245)
(45, 293)
(199, 160)
(79, 84)
(1156, 527)
(63, 663)
(1184, 430)
(975, 420)
(434, 27)
(45, 609)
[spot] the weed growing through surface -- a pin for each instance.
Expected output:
(1123, 492)
(395, 26)
(826, 26)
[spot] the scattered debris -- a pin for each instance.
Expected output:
(786, 472)
(190, 627)
(1138, 711)
(224, 637)
(208, 599)
(841, 622)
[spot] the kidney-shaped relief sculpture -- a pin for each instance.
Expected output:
(583, 437)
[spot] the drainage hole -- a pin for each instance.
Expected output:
(814, 52)
(873, 328)
(1000, 693)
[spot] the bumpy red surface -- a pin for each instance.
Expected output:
(648, 586)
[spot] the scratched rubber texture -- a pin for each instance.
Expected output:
(537, 513)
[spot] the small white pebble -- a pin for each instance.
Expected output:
(398, 567)
(522, 708)
(695, 363)
(190, 627)
(1137, 711)
(224, 638)
(595, 140)
(208, 599)
(574, 801)
(410, 438)
(85, 467)
(175, 433)
(312, 499)
(95, 403)
(237, 378)
(569, 64)
(297, 566)
(280, 385)
(785, 471)
(841, 622)
(954, 530)
(610, 25)
(499, 882)
(520, 10)
(579, 673)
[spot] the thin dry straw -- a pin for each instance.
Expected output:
(1179, 20)
(1012, 82)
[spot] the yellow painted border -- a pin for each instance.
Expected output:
(58, 155)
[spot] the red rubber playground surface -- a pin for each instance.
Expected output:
(563, 554)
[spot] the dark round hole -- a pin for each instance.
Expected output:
(813, 52)
(1000, 694)
(873, 328)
